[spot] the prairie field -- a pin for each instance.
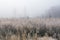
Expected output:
(30, 29)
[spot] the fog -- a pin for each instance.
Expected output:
(24, 8)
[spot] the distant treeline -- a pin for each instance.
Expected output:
(53, 12)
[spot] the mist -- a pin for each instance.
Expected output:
(24, 8)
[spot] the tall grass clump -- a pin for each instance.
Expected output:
(10, 32)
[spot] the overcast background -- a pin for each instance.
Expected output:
(23, 8)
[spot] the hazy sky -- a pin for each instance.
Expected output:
(22, 8)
